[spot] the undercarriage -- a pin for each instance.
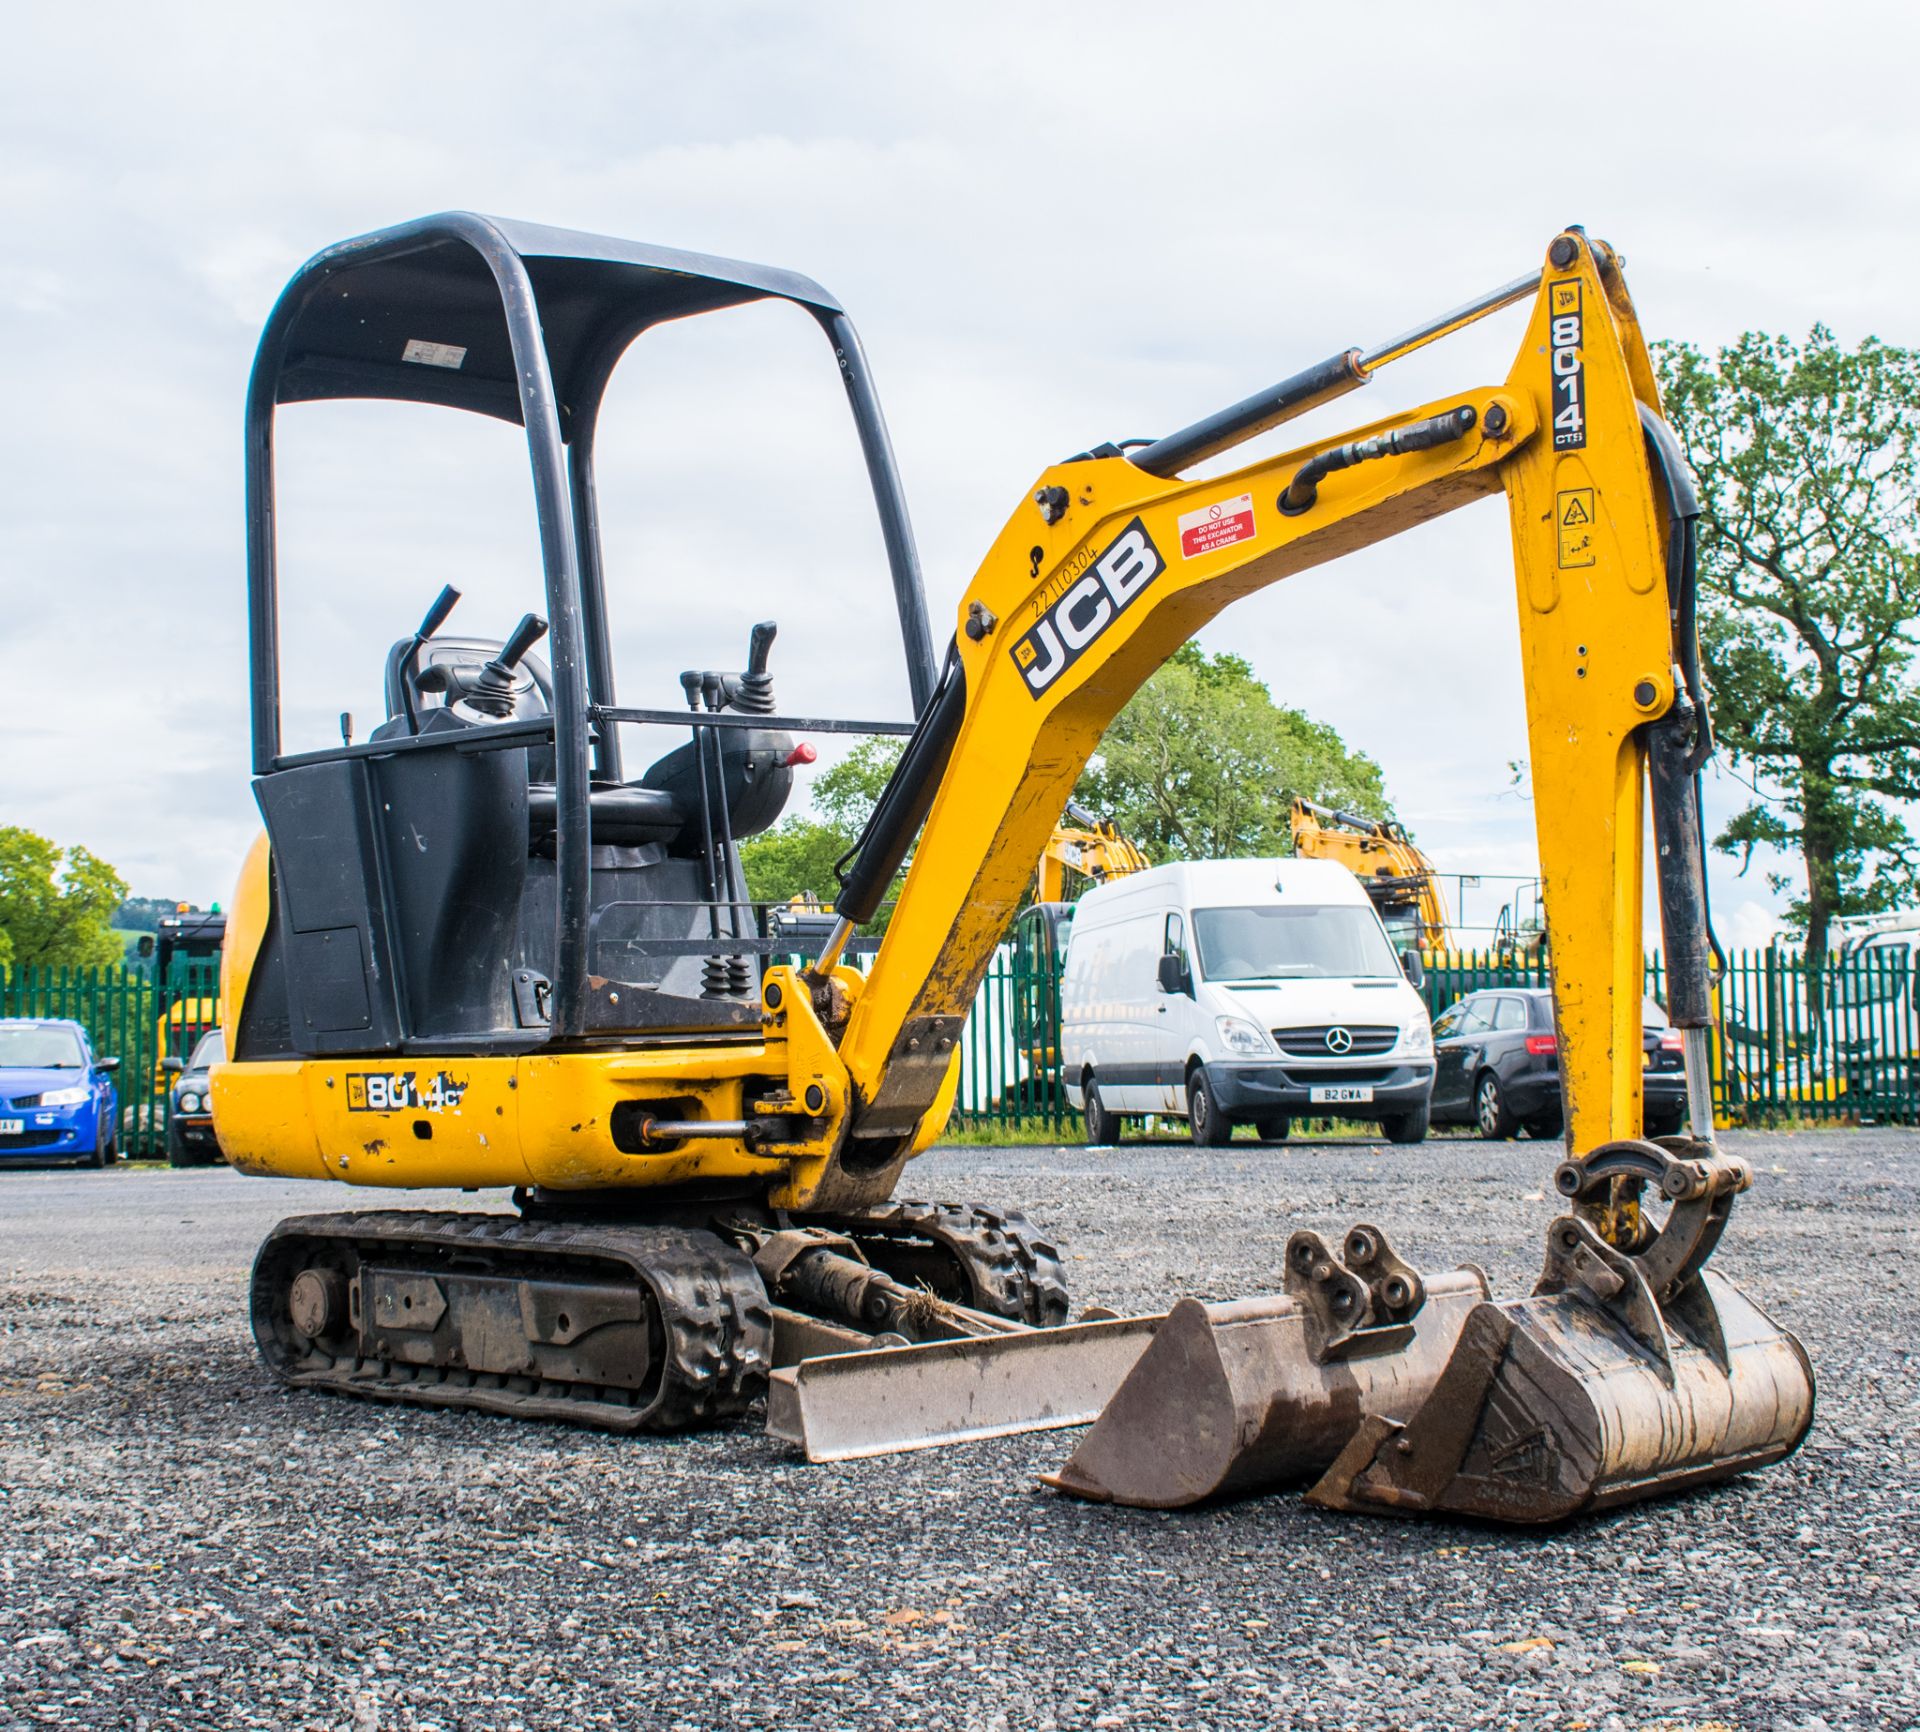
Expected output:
(623, 1316)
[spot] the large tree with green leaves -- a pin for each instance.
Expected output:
(1808, 459)
(1202, 764)
(56, 904)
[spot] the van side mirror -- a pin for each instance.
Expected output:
(1413, 968)
(1175, 976)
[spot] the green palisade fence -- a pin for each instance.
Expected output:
(121, 1010)
(1846, 1050)
(1843, 1048)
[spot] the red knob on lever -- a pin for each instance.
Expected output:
(801, 754)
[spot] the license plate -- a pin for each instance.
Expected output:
(12, 1127)
(1340, 1094)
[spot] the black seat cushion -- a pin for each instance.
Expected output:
(622, 813)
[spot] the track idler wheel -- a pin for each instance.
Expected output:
(1623, 1376)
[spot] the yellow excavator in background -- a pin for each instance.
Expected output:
(1399, 879)
(1086, 844)
(474, 950)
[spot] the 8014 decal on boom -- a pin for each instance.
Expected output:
(1087, 607)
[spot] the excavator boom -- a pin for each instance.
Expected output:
(1108, 567)
(1629, 1370)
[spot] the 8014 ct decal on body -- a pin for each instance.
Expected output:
(401, 1091)
(1087, 606)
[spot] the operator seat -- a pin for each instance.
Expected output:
(444, 669)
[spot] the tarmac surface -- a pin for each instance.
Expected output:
(185, 1544)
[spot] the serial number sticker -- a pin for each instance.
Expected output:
(12, 1127)
(402, 1091)
(1573, 513)
(1334, 1095)
(425, 354)
(1218, 525)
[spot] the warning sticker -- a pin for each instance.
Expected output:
(1215, 526)
(427, 354)
(1573, 512)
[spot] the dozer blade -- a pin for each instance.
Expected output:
(846, 1405)
(1241, 1397)
(1558, 1404)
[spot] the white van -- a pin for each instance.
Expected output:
(1241, 992)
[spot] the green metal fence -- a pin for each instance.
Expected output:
(1842, 1047)
(128, 1016)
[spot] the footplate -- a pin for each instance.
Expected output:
(633, 1328)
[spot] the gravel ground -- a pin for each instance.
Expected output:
(183, 1544)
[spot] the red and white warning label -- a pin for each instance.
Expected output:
(1215, 526)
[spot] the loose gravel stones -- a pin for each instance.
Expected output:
(185, 1544)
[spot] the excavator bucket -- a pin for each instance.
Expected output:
(1241, 1397)
(1621, 1377)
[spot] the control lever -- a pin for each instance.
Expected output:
(492, 690)
(443, 604)
(751, 692)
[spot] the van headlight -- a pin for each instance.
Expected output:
(1417, 1037)
(1239, 1035)
(66, 1097)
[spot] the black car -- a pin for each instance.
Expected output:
(1497, 1065)
(190, 1138)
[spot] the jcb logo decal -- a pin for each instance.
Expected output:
(1086, 608)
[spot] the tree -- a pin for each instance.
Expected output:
(1202, 764)
(1808, 460)
(55, 904)
(797, 855)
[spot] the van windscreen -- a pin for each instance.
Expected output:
(1292, 944)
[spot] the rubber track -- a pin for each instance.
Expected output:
(1013, 1270)
(709, 1306)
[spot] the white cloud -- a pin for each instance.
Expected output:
(1053, 227)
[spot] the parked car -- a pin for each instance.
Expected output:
(1497, 1065)
(1241, 992)
(57, 1100)
(190, 1138)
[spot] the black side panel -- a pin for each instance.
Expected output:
(327, 882)
(454, 831)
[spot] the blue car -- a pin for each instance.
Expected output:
(57, 1101)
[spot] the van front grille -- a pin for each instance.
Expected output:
(1310, 1041)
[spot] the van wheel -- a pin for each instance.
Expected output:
(1407, 1127)
(1274, 1130)
(1103, 1127)
(1208, 1125)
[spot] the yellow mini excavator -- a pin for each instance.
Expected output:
(1399, 879)
(476, 949)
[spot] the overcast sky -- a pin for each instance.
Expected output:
(1053, 225)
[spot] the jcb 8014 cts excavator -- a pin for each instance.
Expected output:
(475, 950)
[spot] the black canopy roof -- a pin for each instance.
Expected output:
(416, 312)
